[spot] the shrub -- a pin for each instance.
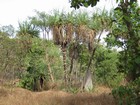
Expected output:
(107, 67)
(126, 95)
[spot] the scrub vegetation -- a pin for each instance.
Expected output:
(59, 58)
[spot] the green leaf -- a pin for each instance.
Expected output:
(85, 4)
(137, 60)
(118, 8)
(126, 18)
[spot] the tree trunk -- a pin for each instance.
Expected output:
(88, 85)
(50, 72)
(49, 68)
(63, 48)
(133, 50)
(48, 35)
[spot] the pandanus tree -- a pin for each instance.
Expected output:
(27, 28)
(24, 36)
(98, 23)
(71, 29)
(87, 28)
(62, 31)
(41, 21)
(75, 29)
(26, 32)
(85, 35)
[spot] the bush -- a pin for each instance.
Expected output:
(107, 67)
(124, 95)
(27, 82)
(36, 72)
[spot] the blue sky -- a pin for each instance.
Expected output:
(12, 11)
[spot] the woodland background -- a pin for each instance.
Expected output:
(70, 56)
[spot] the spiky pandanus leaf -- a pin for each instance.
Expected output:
(81, 21)
(26, 28)
(81, 18)
(56, 24)
(101, 20)
(41, 21)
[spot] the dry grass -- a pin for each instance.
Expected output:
(19, 96)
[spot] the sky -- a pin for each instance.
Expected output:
(12, 11)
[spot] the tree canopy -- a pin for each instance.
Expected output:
(77, 3)
(86, 3)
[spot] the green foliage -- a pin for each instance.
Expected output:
(54, 59)
(82, 18)
(41, 21)
(43, 55)
(77, 3)
(27, 28)
(27, 81)
(125, 34)
(101, 20)
(9, 61)
(125, 95)
(84, 55)
(107, 67)
(36, 66)
(136, 85)
(129, 94)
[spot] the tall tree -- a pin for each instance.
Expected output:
(127, 29)
(41, 21)
(62, 34)
(25, 33)
(27, 28)
(86, 3)
(125, 33)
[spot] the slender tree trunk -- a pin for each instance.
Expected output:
(71, 68)
(49, 68)
(63, 48)
(87, 84)
(50, 72)
(48, 35)
(71, 63)
(73, 56)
